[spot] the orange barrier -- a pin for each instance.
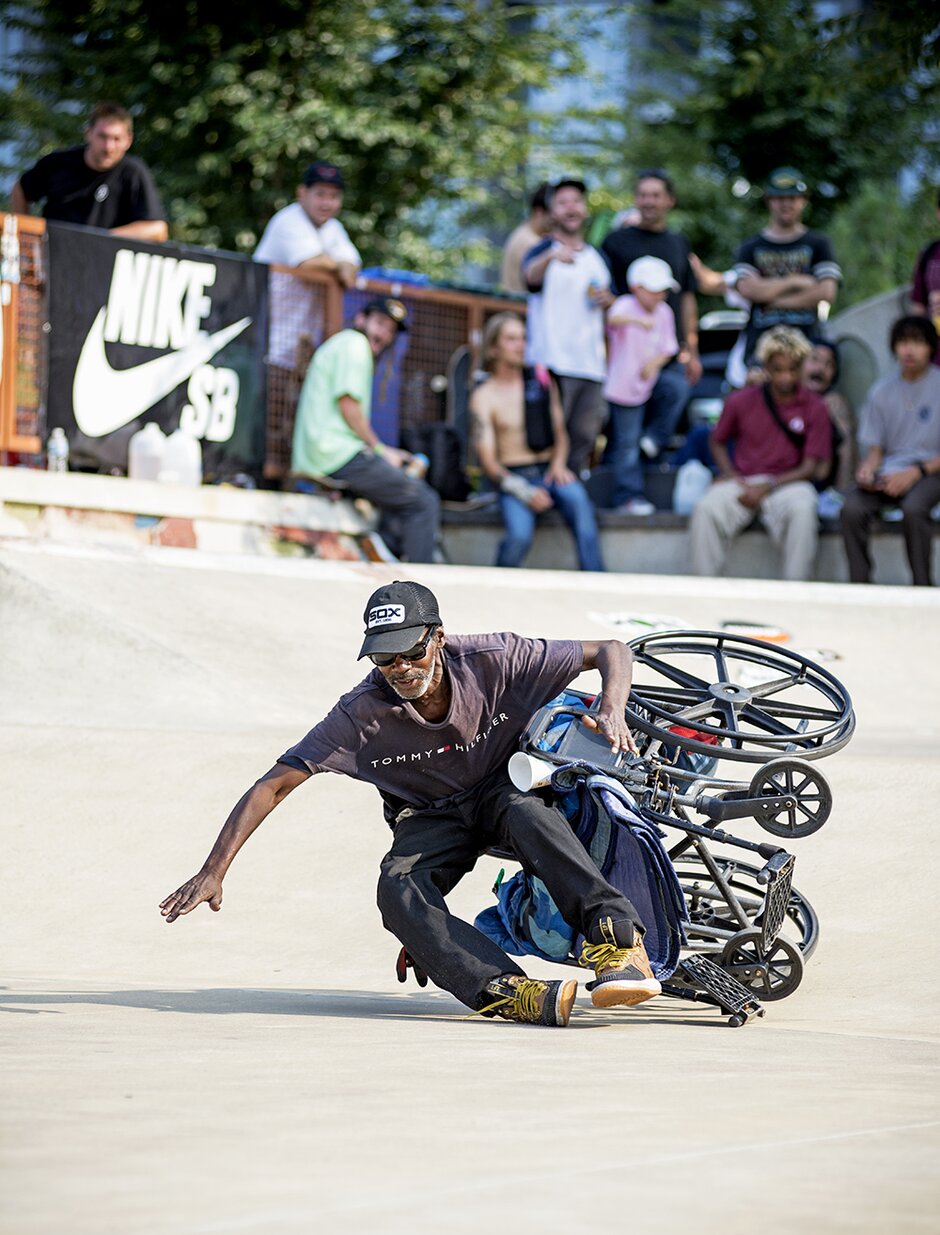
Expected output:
(23, 352)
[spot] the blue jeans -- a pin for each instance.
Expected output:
(574, 506)
(657, 417)
(622, 455)
(665, 404)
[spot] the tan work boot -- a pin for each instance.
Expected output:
(530, 1000)
(623, 976)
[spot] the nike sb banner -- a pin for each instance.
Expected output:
(142, 332)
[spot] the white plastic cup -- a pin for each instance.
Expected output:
(528, 772)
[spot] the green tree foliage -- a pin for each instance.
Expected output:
(728, 92)
(418, 102)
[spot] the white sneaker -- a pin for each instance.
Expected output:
(636, 506)
(649, 447)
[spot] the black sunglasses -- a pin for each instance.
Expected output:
(384, 659)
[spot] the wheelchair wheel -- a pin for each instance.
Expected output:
(749, 700)
(809, 790)
(713, 919)
(773, 974)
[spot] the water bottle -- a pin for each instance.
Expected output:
(418, 466)
(57, 451)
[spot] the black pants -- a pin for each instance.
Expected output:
(861, 507)
(433, 849)
(411, 509)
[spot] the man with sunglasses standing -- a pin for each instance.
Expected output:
(432, 727)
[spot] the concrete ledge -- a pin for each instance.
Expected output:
(81, 491)
(658, 545)
(75, 507)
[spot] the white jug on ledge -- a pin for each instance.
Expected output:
(182, 459)
(145, 452)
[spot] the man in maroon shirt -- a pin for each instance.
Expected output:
(432, 727)
(781, 434)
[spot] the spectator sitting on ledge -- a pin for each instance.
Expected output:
(781, 434)
(900, 436)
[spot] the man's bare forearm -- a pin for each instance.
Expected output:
(153, 230)
(249, 813)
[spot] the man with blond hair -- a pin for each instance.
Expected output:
(768, 444)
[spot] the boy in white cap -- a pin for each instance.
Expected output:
(641, 333)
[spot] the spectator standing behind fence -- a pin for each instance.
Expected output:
(781, 435)
(519, 435)
(900, 438)
(787, 272)
(526, 236)
(308, 236)
(655, 199)
(641, 333)
(334, 439)
(98, 184)
(569, 286)
(925, 292)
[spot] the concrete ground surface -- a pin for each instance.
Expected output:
(260, 1070)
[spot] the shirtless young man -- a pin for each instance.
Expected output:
(530, 471)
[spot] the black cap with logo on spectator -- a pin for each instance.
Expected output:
(391, 308)
(785, 182)
(321, 172)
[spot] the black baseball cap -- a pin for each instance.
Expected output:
(321, 172)
(785, 182)
(391, 308)
(396, 616)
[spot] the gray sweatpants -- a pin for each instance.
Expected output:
(788, 514)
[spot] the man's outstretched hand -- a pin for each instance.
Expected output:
(193, 892)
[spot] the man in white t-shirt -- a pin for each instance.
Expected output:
(569, 286)
(308, 236)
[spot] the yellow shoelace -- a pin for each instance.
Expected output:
(524, 999)
(603, 955)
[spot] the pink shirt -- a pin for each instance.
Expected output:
(632, 345)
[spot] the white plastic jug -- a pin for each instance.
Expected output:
(145, 452)
(693, 481)
(182, 459)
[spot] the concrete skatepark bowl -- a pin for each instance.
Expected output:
(260, 1070)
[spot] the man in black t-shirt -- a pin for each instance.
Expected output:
(432, 727)
(787, 272)
(98, 184)
(655, 198)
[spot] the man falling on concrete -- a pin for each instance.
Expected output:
(432, 726)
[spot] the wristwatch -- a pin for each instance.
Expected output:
(922, 468)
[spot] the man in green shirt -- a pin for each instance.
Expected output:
(334, 438)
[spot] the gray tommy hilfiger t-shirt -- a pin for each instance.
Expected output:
(497, 682)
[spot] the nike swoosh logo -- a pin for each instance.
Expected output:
(105, 399)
